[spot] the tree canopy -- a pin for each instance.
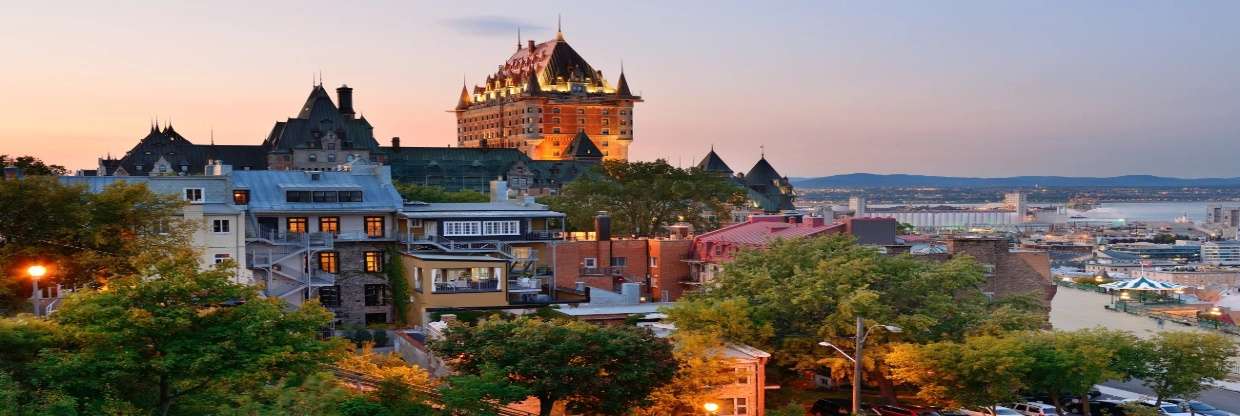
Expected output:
(1183, 364)
(795, 293)
(644, 197)
(82, 237)
(32, 166)
(171, 341)
(606, 370)
(427, 193)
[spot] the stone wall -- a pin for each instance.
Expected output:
(352, 279)
(1008, 272)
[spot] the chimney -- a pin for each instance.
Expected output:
(531, 45)
(218, 168)
(344, 95)
(499, 190)
(602, 226)
(396, 145)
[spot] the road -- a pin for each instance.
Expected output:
(1222, 399)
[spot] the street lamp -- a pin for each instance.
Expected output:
(712, 408)
(859, 339)
(35, 272)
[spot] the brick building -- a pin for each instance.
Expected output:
(541, 99)
(1008, 271)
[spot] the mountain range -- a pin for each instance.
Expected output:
(871, 180)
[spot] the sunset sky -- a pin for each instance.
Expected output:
(971, 88)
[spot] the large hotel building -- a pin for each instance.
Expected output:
(543, 100)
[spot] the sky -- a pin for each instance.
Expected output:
(966, 88)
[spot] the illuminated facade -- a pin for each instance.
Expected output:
(541, 99)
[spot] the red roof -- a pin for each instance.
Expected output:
(762, 229)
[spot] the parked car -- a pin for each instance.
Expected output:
(1200, 407)
(982, 411)
(904, 410)
(1035, 409)
(1167, 408)
(1101, 407)
(831, 407)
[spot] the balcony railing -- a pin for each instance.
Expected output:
(359, 236)
(466, 286)
(603, 271)
(300, 239)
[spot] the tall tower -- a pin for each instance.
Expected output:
(541, 99)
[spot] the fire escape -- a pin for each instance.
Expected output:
(286, 262)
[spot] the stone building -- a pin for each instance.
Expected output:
(1008, 271)
(767, 190)
(541, 99)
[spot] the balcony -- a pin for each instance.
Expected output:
(360, 236)
(544, 235)
(466, 286)
(603, 271)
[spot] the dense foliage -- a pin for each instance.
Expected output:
(32, 166)
(399, 284)
(594, 369)
(174, 340)
(644, 197)
(428, 193)
(83, 238)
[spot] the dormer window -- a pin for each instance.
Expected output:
(193, 195)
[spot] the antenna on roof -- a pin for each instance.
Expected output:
(518, 37)
(559, 27)
(213, 135)
(762, 150)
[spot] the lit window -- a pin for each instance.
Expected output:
(297, 224)
(193, 194)
(219, 226)
(374, 227)
(241, 196)
(329, 225)
(329, 261)
(374, 261)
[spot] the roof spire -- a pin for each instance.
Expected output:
(559, 27)
(762, 150)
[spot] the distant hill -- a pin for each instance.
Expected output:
(870, 180)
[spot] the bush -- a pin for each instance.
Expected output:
(360, 336)
(381, 338)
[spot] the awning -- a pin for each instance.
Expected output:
(1141, 283)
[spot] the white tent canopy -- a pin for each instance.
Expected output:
(1141, 283)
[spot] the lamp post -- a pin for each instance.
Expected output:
(35, 273)
(712, 408)
(859, 339)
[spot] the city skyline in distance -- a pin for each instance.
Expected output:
(977, 89)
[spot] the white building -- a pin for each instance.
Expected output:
(1221, 252)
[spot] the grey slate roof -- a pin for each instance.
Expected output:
(713, 163)
(267, 190)
(582, 148)
(318, 116)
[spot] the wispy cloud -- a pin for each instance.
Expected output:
(491, 25)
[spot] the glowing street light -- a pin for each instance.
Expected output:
(35, 272)
(711, 408)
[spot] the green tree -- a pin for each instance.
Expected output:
(478, 394)
(795, 293)
(179, 335)
(606, 370)
(84, 238)
(32, 166)
(1183, 363)
(426, 193)
(398, 281)
(981, 371)
(701, 368)
(644, 197)
(1069, 364)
